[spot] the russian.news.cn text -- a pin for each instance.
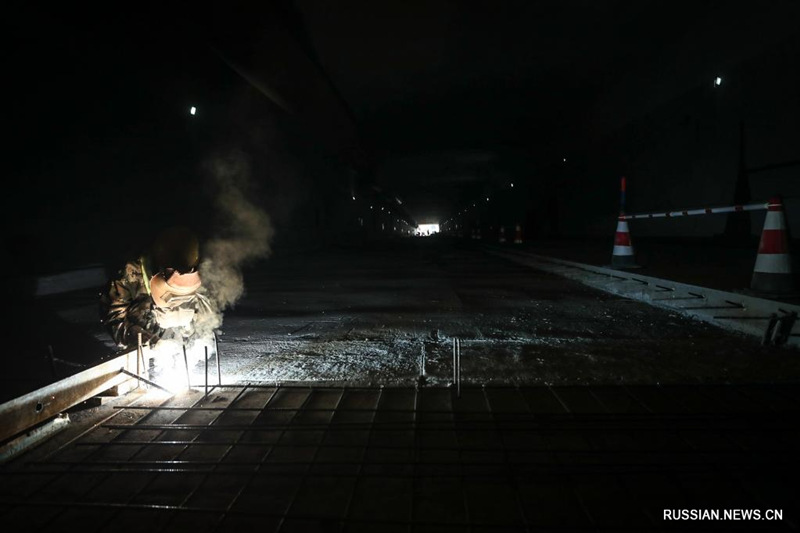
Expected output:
(723, 514)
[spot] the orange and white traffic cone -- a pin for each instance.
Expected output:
(518, 235)
(502, 234)
(623, 257)
(773, 269)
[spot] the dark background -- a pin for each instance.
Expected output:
(421, 107)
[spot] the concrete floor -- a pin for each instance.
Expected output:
(368, 316)
(371, 315)
(578, 411)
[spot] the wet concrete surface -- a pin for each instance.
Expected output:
(369, 315)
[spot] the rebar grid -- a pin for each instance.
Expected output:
(222, 458)
(252, 475)
(136, 494)
(508, 423)
(306, 473)
(60, 474)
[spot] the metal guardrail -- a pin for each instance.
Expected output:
(29, 410)
(772, 321)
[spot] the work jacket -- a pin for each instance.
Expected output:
(127, 308)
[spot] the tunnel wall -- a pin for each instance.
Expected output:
(685, 151)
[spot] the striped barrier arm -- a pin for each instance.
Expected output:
(701, 211)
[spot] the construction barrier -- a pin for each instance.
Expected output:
(701, 211)
(772, 273)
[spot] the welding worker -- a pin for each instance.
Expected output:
(158, 294)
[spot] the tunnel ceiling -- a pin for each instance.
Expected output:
(433, 101)
(450, 99)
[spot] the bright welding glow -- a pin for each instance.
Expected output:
(193, 110)
(167, 368)
(171, 370)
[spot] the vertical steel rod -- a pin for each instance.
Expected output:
(216, 354)
(139, 356)
(458, 351)
(206, 364)
(455, 368)
(186, 364)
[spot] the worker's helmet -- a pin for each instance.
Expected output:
(176, 248)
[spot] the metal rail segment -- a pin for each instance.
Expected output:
(26, 411)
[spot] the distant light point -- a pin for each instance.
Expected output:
(512, 185)
(717, 81)
(193, 110)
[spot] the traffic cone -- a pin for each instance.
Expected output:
(773, 269)
(518, 235)
(622, 256)
(502, 234)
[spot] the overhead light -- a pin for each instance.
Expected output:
(354, 197)
(192, 110)
(717, 81)
(512, 185)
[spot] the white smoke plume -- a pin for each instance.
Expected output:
(243, 234)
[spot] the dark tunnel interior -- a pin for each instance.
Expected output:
(597, 202)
